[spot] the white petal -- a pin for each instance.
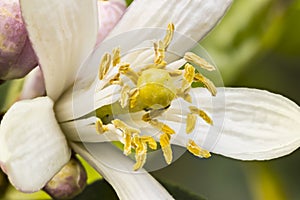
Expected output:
(249, 124)
(34, 85)
(62, 34)
(32, 146)
(192, 19)
(84, 130)
(133, 185)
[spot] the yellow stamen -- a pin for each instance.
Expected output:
(207, 83)
(151, 142)
(140, 160)
(152, 114)
(116, 59)
(100, 128)
(201, 114)
(124, 96)
(190, 123)
(196, 150)
(127, 143)
(191, 57)
(189, 73)
(124, 68)
(159, 50)
(133, 95)
(124, 127)
(140, 153)
(116, 80)
(161, 126)
(104, 65)
(188, 77)
(164, 142)
(169, 35)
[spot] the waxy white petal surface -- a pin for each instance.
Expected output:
(62, 34)
(32, 146)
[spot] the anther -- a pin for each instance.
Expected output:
(169, 35)
(207, 83)
(133, 95)
(196, 150)
(164, 142)
(159, 50)
(193, 58)
(190, 123)
(104, 65)
(124, 127)
(189, 73)
(100, 128)
(124, 96)
(140, 152)
(201, 114)
(116, 80)
(161, 126)
(116, 59)
(151, 142)
(124, 68)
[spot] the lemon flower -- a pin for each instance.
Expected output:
(254, 124)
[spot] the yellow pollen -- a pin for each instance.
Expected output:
(164, 142)
(196, 150)
(169, 35)
(100, 128)
(190, 123)
(104, 65)
(193, 58)
(207, 83)
(116, 59)
(201, 114)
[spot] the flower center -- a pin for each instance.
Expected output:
(151, 90)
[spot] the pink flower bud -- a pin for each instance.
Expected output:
(109, 13)
(17, 57)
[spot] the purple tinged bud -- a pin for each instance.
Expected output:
(68, 182)
(17, 57)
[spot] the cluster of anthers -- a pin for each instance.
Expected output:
(153, 88)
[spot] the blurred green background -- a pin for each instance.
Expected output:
(256, 45)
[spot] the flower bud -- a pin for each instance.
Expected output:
(17, 57)
(109, 13)
(34, 85)
(68, 182)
